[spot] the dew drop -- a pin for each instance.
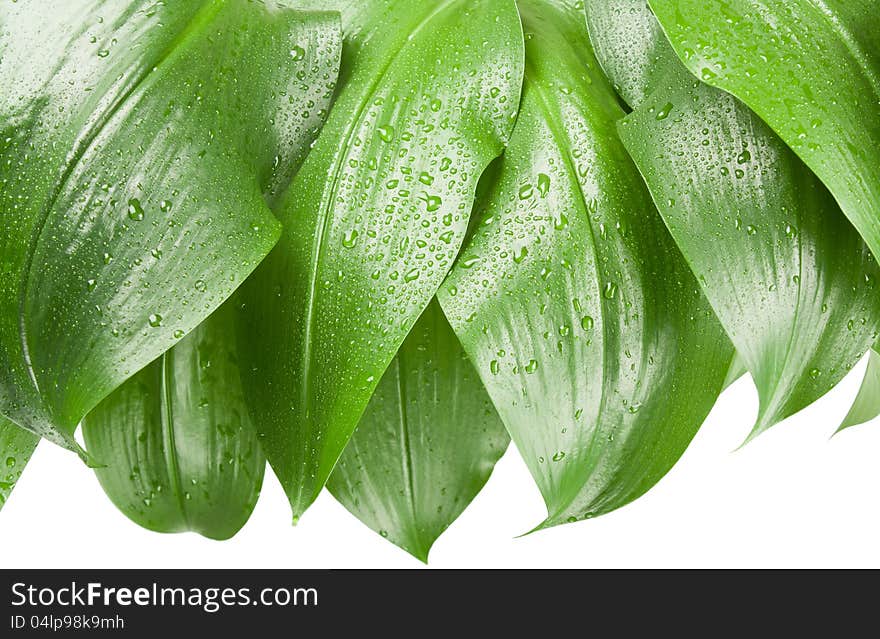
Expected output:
(386, 133)
(135, 210)
(664, 112)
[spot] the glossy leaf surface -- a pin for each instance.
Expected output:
(630, 47)
(786, 273)
(810, 69)
(426, 444)
(374, 219)
(585, 324)
(135, 152)
(181, 451)
(16, 447)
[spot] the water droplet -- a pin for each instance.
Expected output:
(664, 111)
(201, 286)
(155, 320)
(532, 366)
(520, 255)
(135, 210)
(815, 373)
(610, 290)
(432, 202)
(412, 275)
(558, 456)
(386, 133)
(587, 323)
(297, 53)
(350, 239)
(494, 367)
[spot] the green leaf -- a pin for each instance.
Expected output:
(426, 444)
(589, 331)
(630, 47)
(135, 151)
(788, 276)
(810, 69)
(16, 447)
(374, 219)
(866, 406)
(181, 452)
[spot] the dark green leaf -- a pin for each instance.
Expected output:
(374, 219)
(137, 140)
(426, 444)
(181, 452)
(585, 324)
(810, 69)
(786, 273)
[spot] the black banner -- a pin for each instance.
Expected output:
(397, 603)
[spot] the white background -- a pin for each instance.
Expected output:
(793, 498)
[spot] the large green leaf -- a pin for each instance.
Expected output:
(374, 219)
(585, 324)
(181, 452)
(137, 140)
(810, 69)
(16, 447)
(786, 273)
(866, 406)
(426, 444)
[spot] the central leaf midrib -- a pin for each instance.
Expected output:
(169, 440)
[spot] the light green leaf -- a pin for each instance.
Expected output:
(810, 69)
(786, 273)
(374, 219)
(585, 324)
(135, 150)
(16, 447)
(866, 406)
(181, 452)
(425, 446)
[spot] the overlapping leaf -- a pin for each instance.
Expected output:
(786, 273)
(866, 406)
(585, 324)
(810, 69)
(181, 451)
(135, 151)
(426, 444)
(16, 447)
(374, 219)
